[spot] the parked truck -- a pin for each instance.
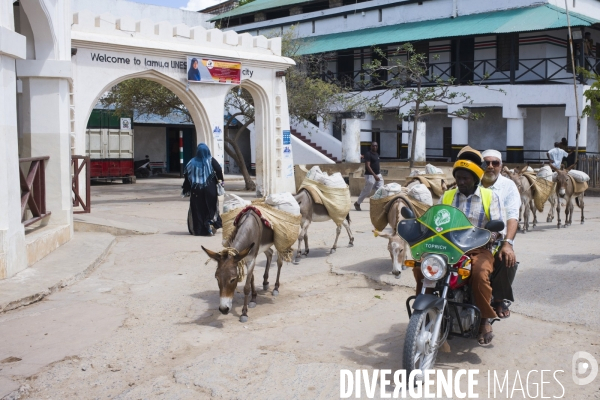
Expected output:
(109, 144)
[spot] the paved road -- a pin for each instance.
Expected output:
(145, 324)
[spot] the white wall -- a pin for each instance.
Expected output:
(388, 146)
(151, 141)
(488, 132)
(304, 154)
(554, 126)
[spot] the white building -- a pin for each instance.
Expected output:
(519, 46)
(57, 60)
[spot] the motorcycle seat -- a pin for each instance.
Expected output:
(469, 239)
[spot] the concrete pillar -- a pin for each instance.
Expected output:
(406, 126)
(13, 257)
(515, 138)
(351, 140)
(460, 135)
(252, 149)
(582, 133)
(420, 144)
(46, 132)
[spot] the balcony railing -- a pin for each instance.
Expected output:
(33, 190)
(526, 71)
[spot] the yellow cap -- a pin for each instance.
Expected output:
(469, 166)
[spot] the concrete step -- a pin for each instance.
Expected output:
(43, 240)
(63, 267)
(313, 145)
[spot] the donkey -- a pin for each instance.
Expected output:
(566, 191)
(396, 245)
(312, 211)
(241, 247)
(526, 192)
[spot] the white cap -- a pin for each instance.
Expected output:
(492, 153)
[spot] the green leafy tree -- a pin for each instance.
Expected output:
(407, 81)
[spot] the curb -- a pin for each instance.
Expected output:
(70, 280)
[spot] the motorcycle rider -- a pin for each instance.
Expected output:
(480, 205)
(505, 266)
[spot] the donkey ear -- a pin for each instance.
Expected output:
(553, 167)
(242, 254)
(212, 254)
(376, 233)
(571, 167)
(524, 169)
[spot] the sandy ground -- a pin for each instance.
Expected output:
(145, 324)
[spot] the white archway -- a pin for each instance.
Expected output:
(111, 49)
(194, 106)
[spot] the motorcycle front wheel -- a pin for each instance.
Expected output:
(419, 351)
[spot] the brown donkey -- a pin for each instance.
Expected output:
(242, 251)
(565, 190)
(313, 212)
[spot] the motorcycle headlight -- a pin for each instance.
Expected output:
(433, 267)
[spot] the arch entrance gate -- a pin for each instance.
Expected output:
(111, 49)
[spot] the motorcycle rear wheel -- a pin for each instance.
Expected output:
(418, 351)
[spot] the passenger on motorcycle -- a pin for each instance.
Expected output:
(480, 205)
(505, 265)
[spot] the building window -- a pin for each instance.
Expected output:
(313, 27)
(380, 15)
(505, 44)
(422, 48)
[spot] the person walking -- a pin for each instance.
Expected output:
(373, 179)
(201, 178)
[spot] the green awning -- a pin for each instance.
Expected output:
(256, 6)
(538, 18)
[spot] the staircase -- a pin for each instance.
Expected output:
(299, 136)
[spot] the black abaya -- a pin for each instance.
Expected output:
(204, 204)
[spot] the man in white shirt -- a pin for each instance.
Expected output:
(556, 155)
(505, 267)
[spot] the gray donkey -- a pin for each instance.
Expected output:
(241, 247)
(312, 211)
(526, 191)
(565, 190)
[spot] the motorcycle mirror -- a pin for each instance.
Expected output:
(407, 213)
(495, 225)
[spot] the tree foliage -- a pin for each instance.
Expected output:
(146, 98)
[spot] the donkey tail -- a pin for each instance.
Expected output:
(577, 201)
(348, 218)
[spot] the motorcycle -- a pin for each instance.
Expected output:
(439, 240)
(142, 168)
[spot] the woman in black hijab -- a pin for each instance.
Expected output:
(202, 174)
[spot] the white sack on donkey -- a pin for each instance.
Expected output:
(284, 202)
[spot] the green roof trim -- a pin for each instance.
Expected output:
(256, 6)
(545, 17)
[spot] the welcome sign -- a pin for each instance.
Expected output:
(213, 71)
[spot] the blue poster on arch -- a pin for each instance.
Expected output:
(287, 139)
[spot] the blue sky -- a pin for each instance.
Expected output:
(190, 4)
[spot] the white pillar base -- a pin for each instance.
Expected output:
(351, 140)
(421, 143)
